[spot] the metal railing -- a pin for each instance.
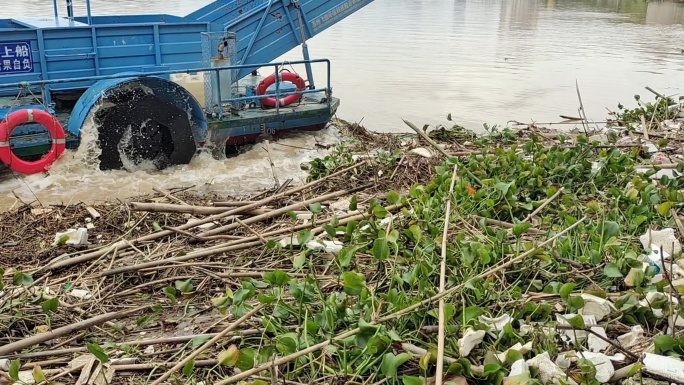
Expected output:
(44, 84)
(70, 10)
(278, 94)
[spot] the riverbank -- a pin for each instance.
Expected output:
(521, 256)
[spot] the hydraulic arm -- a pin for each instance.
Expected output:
(267, 29)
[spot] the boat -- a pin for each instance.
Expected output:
(159, 88)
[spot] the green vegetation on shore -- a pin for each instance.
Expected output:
(540, 223)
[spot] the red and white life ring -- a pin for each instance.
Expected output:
(289, 99)
(27, 115)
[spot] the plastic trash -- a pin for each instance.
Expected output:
(549, 372)
(596, 306)
(663, 366)
(469, 340)
(72, 237)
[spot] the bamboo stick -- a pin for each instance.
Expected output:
(136, 343)
(188, 209)
(235, 245)
(125, 244)
(64, 330)
(439, 376)
(282, 211)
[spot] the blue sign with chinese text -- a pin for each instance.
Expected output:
(16, 58)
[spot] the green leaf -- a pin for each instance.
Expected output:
(353, 282)
(62, 240)
(416, 233)
(98, 352)
(593, 206)
(230, 356)
(470, 313)
(503, 187)
(304, 237)
(50, 304)
(491, 369)
(242, 295)
(449, 311)
(245, 359)
(639, 276)
(610, 229)
(199, 341)
(566, 289)
(14, 370)
(664, 343)
(276, 277)
(353, 204)
(170, 293)
(38, 374)
(522, 379)
(520, 228)
(576, 302)
(613, 241)
(366, 328)
(269, 324)
(393, 197)
(189, 368)
(330, 230)
(22, 279)
(393, 236)
(577, 322)
(380, 211)
(512, 356)
(351, 226)
(664, 208)
(299, 260)
(381, 249)
(391, 363)
(156, 226)
(220, 302)
(612, 270)
(345, 256)
(635, 369)
(425, 360)
(411, 380)
(287, 343)
(315, 208)
(184, 286)
(266, 299)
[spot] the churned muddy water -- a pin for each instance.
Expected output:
(483, 61)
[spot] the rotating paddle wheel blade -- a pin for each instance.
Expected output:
(140, 128)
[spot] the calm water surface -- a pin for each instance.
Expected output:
(483, 61)
(480, 60)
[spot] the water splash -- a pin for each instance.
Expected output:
(76, 176)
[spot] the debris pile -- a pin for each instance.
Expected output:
(522, 256)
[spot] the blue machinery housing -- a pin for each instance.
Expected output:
(74, 63)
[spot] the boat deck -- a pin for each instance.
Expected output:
(312, 113)
(311, 103)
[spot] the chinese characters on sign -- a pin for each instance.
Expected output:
(15, 58)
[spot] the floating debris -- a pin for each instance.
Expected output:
(546, 275)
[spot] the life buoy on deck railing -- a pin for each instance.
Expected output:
(27, 115)
(284, 76)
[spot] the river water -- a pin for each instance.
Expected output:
(483, 61)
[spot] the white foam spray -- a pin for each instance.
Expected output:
(76, 177)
